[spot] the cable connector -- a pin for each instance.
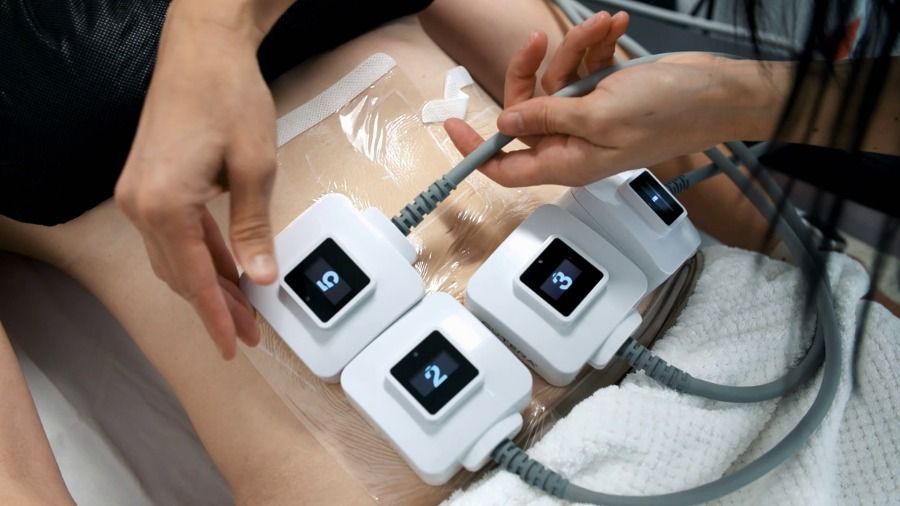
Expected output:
(678, 184)
(510, 457)
(413, 213)
(641, 358)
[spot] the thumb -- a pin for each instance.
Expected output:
(251, 230)
(544, 116)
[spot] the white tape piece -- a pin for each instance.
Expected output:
(455, 101)
(336, 96)
(436, 111)
(457, 78)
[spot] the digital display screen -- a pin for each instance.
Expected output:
(434, 372)
(561, 277)
(326, 280)
(658, 198)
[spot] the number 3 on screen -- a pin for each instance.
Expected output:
(562, 280)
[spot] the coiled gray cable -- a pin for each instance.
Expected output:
(514, 459)
(684, 181)
(413, 213)
(641, 358)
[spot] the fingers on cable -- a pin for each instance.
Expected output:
(563, 67)
(545, 115)
(601, 55)
(557, 159)
(521, 73)
(507, 169)
(250, 180)
(463, 136)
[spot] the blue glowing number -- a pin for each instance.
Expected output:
(329, 279)
(562, 280)
(433, 373)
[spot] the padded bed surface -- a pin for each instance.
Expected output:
(118, 433)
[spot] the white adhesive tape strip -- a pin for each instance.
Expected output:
(457, 78)
(455, 101)
(436, 111)
(336, 96)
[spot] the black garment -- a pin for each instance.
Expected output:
(870, 179)
(73, 75)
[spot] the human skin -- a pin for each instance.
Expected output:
(264, 452)
(207, 126)
(526, 167)
(28, 471)
(681, 104)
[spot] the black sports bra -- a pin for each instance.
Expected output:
(73, 75)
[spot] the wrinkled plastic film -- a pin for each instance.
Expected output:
(376, 150)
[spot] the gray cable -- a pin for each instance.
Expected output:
(641, 358)
(577, 13)
(751, 160)
(413, 213)
(684, 181)
(514, 459)
(747, 155)
(569, 8)
(686, 20)
(583, 10)
(810, 421)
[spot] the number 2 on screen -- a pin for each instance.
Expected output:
(433, 373)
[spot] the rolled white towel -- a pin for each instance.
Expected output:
(743, 325)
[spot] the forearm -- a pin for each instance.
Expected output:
(250, 20)
(761, 90)
(28, 471)
(484, 35)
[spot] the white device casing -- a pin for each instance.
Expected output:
(612, 209)
(465, 431)
(555, 348)
(376, 247)
(539, 305)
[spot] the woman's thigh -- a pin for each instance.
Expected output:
(261, 448)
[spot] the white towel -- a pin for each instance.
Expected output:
(741, 327)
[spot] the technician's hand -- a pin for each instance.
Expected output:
(208, 125)
(634, 118)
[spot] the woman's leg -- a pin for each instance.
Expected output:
(493, 36)
(262, 450)
(28, 471)
(716, 206)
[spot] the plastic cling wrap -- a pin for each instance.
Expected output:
(376, 150)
